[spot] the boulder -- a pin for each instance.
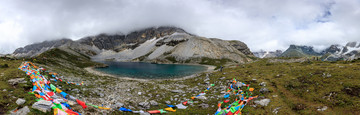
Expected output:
(264, 90)
(201, 97)
(23, 111)
(117, 105)
(263, 102)
(276, 110)
(145, 113)
(167, 102)
(177, 91)
(42, 105)
(180, 106)
(145, 105)
(238, 84)
(204, 105)
(16, 81)
(20, 101)
(154, 103)
(100, 94)
(323, 108)
(262, 84)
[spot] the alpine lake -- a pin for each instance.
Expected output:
(142, 70)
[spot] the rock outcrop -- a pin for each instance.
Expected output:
(38, 48)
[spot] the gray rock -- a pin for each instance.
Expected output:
(263, 102)
(23, 111)
(117, 105)
(206, 79)
(264, 90)
(76, 90)
(16, 81)
(20, 101)
(167, 102)
(42, 105)
(323, 108)
(154, 103)
(131, 107)
(145, 113)
(262, 84)
(100, 94)
(238, 84)
(145, 105)
(222, 78)
(276, 110)
(204, 105)
(201, 97)
(5, 90)
(180, 106)
(177, 91)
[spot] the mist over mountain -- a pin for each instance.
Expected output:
(268, 25)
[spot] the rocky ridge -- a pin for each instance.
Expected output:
(160, 45)
(267, 54)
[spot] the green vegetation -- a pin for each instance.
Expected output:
(172, 59)
(141, 58)
(298, 88)
(215, 62)
(4, 66)
(54, 56)
(9, 93)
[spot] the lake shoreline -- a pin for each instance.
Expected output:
(209, 69)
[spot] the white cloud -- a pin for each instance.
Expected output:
(261, 24)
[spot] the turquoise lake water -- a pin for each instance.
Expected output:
(149, 70)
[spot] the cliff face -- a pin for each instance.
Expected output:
(152, 44)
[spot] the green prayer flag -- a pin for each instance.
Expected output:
(162, 111)
(232, 109)
(39, 99)
(52, 87)
(58, 105)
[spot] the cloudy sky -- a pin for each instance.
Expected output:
(261, 24)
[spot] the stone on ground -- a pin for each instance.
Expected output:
(20, 101)
(263, 102)
(42, 105)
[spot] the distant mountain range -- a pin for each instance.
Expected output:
(267, 54)
(333, 53)
(161, 44)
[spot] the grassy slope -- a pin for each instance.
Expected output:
(54, 58)
(301, 87)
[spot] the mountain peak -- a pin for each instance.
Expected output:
(300, 51)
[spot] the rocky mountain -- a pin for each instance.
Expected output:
(267, 54)
(337, 52)
(333, 53)
(161, 45)
(38, 48)
(300, 51)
